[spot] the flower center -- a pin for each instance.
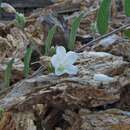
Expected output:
(61, 68)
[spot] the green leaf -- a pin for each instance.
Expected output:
(127, 7)
(20, 20)
(73, 32)
(94, 27)
(50, 68)
(49, 39)
(7, 75)
(1, 112)
(27, 59)
(0, 7)
(127, 33)
(52, 51)
(103, 16)
(0, 2)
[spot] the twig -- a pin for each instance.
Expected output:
(102, 37)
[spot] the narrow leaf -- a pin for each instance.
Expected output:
(73, 32)
(52, 51)
(127, 33)
(7, 75)
(127, 7)
(0, 2)
(20, 20)
(1, 112)
(27, 59)
(49, 39)
(0, 7)
(103, 16)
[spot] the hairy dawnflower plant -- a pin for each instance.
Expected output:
(63, 62)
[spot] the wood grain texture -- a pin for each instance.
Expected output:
(28, 3)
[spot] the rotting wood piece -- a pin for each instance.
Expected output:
(7, 122)
(28, 3)
(59, 94)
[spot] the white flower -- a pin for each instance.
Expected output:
(63, 62)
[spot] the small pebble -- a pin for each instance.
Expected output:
(102, 78)
(109, 40)
(99, 54)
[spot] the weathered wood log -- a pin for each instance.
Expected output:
(28, 3)
(64, 98)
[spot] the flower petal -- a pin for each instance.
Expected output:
(71, 57)
(58, 72)
(61, 55)
(71, 69)
(55, 61)
(60, 51)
